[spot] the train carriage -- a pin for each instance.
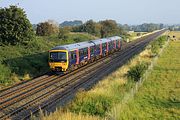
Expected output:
(69, 57)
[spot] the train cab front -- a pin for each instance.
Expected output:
(58, 60)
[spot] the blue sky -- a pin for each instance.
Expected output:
(123, 11)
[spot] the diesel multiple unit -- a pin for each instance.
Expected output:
(72, 56)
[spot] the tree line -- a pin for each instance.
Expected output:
(101, 29)
(15, 28)
(145, 27)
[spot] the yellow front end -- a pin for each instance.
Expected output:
(58, 60)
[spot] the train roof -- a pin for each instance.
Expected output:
(74, 46)
(80, 45)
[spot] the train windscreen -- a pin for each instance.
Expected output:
(58, 57)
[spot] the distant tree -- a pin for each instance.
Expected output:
(147, 27)
(15, 28)
(92, 27)
(109, 28)
(55, 25)
(101, 29)
(46, 28)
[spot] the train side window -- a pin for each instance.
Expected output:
(92, 49)
(85, 51)
(81, 52)
(73, 55)
(103, 45)
(97, 47)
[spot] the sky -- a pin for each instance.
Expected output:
(123, 11)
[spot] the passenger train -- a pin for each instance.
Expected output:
(69, 57)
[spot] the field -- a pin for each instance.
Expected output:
(159, 97)
(176, 34)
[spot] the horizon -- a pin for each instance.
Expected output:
(123, 12)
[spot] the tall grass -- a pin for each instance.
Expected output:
(64, 115)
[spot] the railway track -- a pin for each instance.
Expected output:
(18, 102)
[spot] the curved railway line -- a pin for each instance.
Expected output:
(21, 100)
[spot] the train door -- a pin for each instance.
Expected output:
(77, 56)
(107, 47)
(89, 53)
(100, 48)
(114, 44)
(119, 44)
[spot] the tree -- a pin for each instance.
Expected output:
(15, 28)
(103, 28)
(55, 25)
(92, 27)
(109, 28)
(45, 29)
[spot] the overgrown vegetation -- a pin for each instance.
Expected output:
(137, 71)
(157, 44)
(93, 104)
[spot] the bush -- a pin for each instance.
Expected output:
(137, 71)
(157, 44)
(91, 104)
(5, 73)
(154, 48)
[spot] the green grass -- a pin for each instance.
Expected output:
(20, 62)
(159, 97)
